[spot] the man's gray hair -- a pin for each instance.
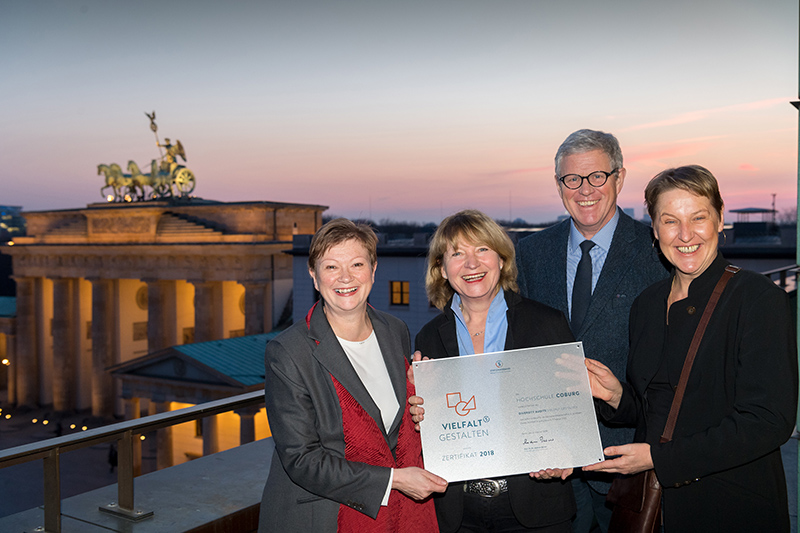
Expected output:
(583, 141)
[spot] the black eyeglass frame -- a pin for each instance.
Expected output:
(595, 185)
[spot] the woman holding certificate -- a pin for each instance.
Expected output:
(472, 279)
(346, 457)
(722, 469)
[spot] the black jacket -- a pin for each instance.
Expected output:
(535, 503)
(722, 471)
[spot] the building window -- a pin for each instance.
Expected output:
(140, 331)
(188, 335)
(399, 292)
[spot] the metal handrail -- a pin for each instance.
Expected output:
(50, 451)
(782, 274)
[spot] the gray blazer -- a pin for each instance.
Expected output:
(632, 265)
(309, 476)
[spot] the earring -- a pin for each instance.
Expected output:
(656, 247)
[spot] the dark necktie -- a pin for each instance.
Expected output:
(582, 288)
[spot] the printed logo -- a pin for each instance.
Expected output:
(462, 408)
(498, 363)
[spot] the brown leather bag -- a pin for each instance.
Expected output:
(637, 499)
(637, 503)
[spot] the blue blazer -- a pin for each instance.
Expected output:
(632, 265)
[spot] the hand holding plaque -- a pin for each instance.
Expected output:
(507, 413)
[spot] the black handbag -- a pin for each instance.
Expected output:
(636, 499)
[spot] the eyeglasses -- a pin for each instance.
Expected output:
(597, 178)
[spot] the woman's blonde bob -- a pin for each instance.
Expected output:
(473, 227)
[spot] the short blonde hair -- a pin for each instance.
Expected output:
(338, 231)
(474, 227)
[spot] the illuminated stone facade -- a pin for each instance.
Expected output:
(106, 284)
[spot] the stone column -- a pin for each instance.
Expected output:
(44, 335)
(247, 424)
(162, 314)
(65, 357)
(27, 356)
(104, 345)
(163, 440)
(210, 435)
(131, 413)
(257, 307)
(208, 310)
(11, 354)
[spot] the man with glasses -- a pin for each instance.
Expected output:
(592, 266)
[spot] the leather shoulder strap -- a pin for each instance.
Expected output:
(730, 270)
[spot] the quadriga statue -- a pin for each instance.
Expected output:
(167, 177)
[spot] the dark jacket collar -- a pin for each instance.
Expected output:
(703, 285)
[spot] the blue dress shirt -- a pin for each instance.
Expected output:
(602, 242)
(494, 339)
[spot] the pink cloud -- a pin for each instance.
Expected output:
(514, 171)
(700, 114)
(748, 167)
(659, 155)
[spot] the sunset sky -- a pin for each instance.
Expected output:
(407, 109)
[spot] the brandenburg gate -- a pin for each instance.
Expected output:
(114, 281)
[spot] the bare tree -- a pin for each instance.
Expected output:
(788, 216)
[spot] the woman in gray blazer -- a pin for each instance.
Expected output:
(347, 456)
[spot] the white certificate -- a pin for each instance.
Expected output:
(506, 413)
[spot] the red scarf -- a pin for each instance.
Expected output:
(365, 443)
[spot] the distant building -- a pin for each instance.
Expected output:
(190, 374)
(764, 231)
(12, 223)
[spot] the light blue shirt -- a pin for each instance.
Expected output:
(602, 242)
(494, 339)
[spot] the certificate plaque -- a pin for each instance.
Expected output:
(505, 413)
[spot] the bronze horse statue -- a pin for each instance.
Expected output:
(157, 180)
(114, 179)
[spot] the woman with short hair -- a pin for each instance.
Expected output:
(722, 470)
(347, 457)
